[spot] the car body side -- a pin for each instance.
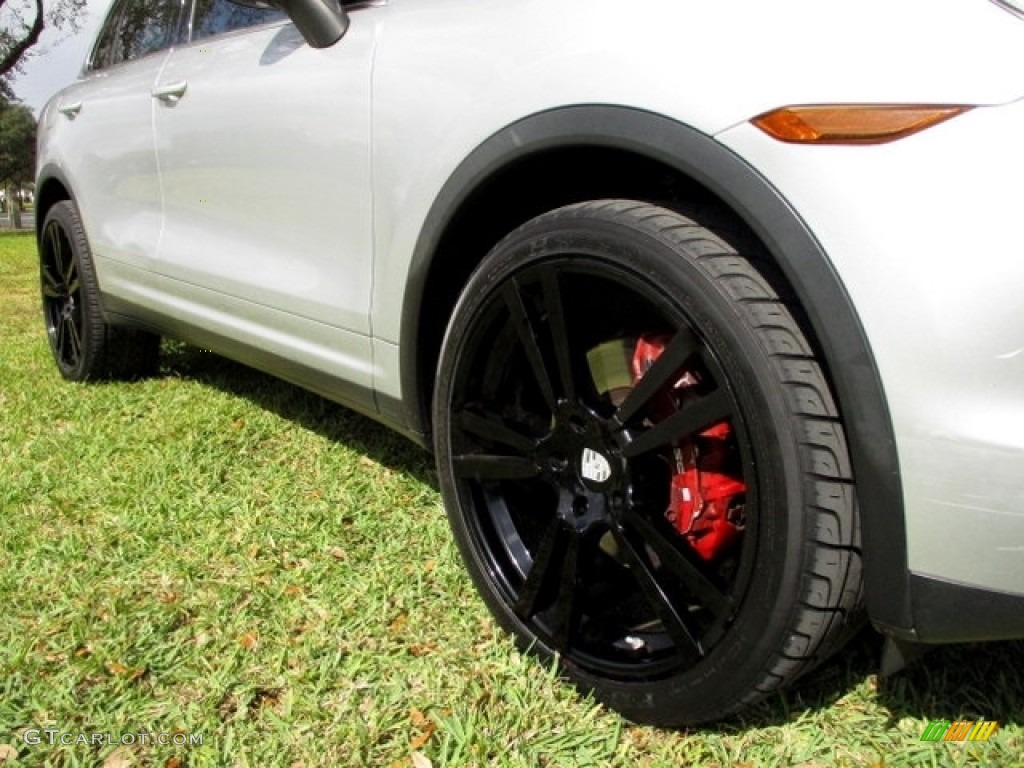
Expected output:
(459, 120)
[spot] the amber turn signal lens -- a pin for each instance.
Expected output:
(852, 123)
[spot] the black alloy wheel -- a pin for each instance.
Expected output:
(62, 295)
(84, 346)
(608, 363)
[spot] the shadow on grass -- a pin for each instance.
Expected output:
(967, 682)
(299, 406)
(978, 681)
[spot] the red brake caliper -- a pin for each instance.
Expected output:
(703, 505)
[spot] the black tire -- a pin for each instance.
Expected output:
(558, 489)
(84, 346)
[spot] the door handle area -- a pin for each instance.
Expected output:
(70, 110)
(171, 92)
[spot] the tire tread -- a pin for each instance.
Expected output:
(831, 606)
(826, 607)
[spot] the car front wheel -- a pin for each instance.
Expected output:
(643, 465)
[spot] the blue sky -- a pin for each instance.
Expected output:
(59, 60)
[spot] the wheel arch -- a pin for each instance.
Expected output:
(51, 188)
(572, 154)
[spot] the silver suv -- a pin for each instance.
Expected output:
(709, 311)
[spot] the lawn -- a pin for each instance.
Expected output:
(214, 556)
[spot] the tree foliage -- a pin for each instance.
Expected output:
(17, 143)
(22, 23)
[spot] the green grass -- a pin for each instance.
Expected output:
(214, 552)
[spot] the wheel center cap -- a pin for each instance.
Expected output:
(594, 466)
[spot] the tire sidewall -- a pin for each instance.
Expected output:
(738, 663)
(65, 215)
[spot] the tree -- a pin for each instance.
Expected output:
(17, 153)
(21, 24)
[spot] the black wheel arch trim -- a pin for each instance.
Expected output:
(802, 259)
(47, 176)
(951, 612)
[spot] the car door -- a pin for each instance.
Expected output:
(105, 133)
(263, 146)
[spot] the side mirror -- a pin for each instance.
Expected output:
(321, 22)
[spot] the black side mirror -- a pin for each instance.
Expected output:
(321, 22)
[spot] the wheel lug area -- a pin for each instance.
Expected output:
(581, 509)
(581, 458)
(578, 424)
(580, 505)
(557, 464)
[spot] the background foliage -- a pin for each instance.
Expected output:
(21, 25)
(17, 143)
